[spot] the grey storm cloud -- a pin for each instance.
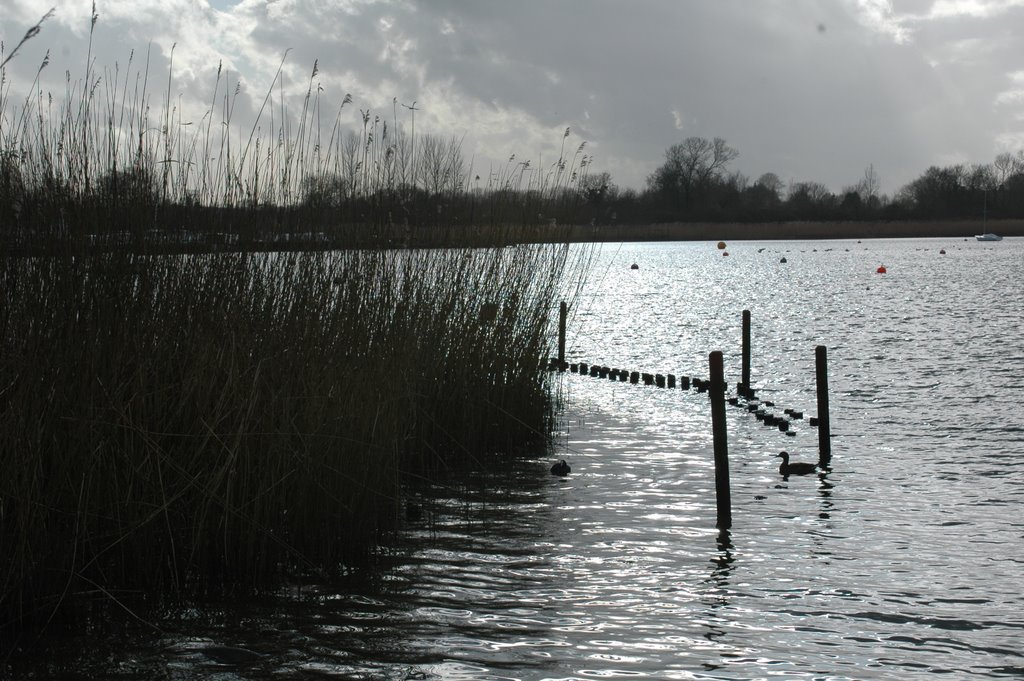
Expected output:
(808, 89)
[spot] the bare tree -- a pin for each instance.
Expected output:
(980, 176)
(441, 166)
(691, 166)
(869, 185)
(738, 181)
(1007, 165)
(809, 199)
(351, 163)
(772, 183)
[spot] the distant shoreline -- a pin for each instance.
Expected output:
(396, 236)
(780, 231)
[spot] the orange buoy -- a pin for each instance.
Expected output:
(881, 269)
(721, 245)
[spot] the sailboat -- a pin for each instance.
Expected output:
(986, 236)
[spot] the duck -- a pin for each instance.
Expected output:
(797, 468)
(561, 468)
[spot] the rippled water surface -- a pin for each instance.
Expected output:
(906, 560)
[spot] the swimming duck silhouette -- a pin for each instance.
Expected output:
(795, 468)
(561, 468)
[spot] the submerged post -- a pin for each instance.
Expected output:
(824, 433)
(745, 376)
(717, 393)
(563, 310)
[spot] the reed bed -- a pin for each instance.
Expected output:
(188, 424)
(197, 394)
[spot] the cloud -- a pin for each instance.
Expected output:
(943, 9)
(1013, 99)
(880, 16)
(899, 84)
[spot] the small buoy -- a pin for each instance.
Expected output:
(721, 245)
(942, 251)
(881, 269)
(634, 266)
(725, 252)
(783, 259)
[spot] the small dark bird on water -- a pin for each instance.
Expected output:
(561, 468)
(796, 468)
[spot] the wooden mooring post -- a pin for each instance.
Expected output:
(745, 376)
(717, 394)
(824, 432)
(563, 312)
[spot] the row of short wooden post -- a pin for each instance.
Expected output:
(716, 391)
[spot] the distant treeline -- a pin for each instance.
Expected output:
(694, 184)
(428, 198)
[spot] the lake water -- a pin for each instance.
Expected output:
(905, 560)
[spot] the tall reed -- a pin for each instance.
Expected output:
(125, 166)
(176, 422)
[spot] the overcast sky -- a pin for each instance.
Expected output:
(808, 89)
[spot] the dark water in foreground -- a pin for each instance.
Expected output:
(905, 561)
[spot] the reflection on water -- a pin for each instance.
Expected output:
(903, 561)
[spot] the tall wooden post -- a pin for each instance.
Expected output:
(717, 394)
(563, 311)
(824, 431)
(745, 376)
